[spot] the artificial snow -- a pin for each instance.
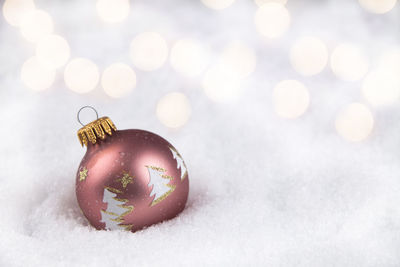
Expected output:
(264, 191)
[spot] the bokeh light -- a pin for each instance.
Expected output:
(381, 87)
(240, 58)
(173, 110)
(309, 56)
(272, 20)
(53, 51)
(35, 25)
(189, 57)
(217, 4)
(355, 122)
(262, 2)
(348, 62)
(113, 11)
(118, 80)
(291, 99)
(15, 10)
(378, 6)
(148, 51)
(221, 83)
(37, 76)
(81, 75)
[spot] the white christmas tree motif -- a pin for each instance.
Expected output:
(113, 216)
(160, 182)
(180, 163)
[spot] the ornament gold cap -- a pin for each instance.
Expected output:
(91, 132)
(95, 130)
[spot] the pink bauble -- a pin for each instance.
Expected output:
(129, 179)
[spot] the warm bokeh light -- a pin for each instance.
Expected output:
(113, 11)
(173, 110)
(217, 4)
(262, 2)
(36, 76)
(53, 51)
(291, 99)
(390, 61)
(35, 25)
(240, 58)
(148, 51)
(355, 122)
(378, 6)
(118, 80)
(272, 20)
(15, 10)
(309, 56)
(222, 84)
(381, 87)
(189, 57)
(348, 62)
(81, 75)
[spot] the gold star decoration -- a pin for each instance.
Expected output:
(83, 174)
(125, 179)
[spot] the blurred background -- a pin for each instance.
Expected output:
(286, 113)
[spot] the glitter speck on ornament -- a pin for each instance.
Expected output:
(118, 80)
(354, 122)
(272, 20)
(173, 110)
(291, 99)
(148, 51)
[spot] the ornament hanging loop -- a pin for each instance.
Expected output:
(82, 108)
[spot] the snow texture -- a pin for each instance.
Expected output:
(264, 191)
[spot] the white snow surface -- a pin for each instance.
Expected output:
(264, 191)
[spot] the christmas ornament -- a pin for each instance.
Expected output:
(128, 179)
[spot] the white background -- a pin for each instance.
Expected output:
(264, 191)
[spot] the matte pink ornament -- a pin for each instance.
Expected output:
(129, 179)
